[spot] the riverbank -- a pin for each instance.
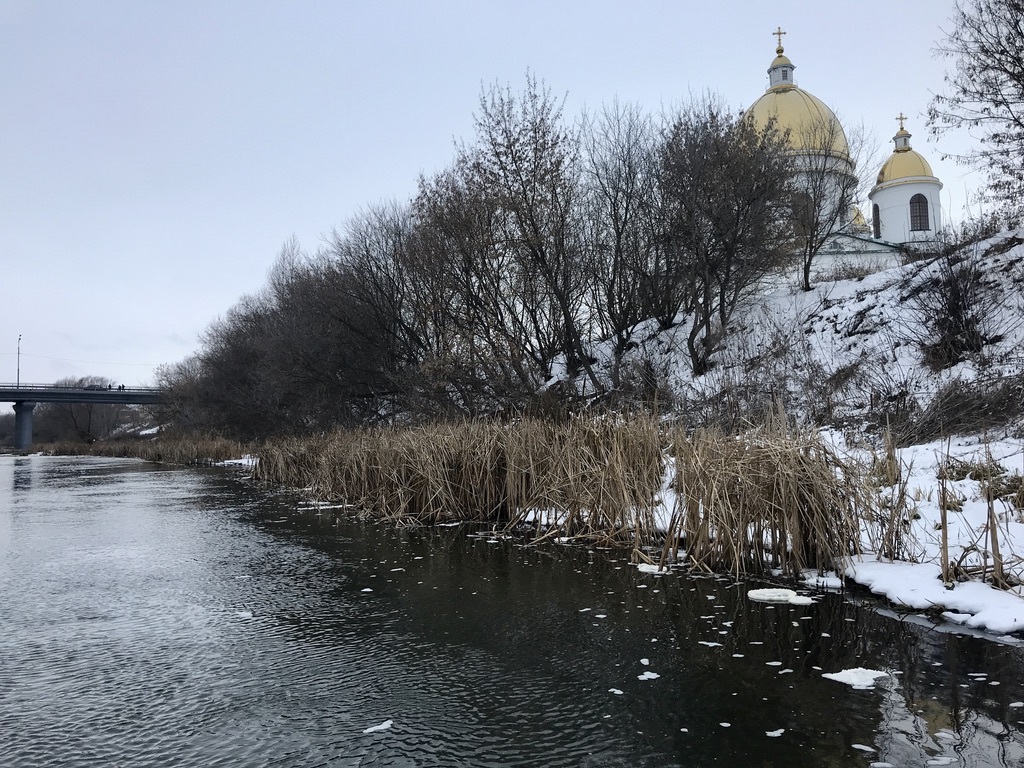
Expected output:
(183, 596)
(936, 528)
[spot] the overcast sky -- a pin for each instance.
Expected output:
(155, 156)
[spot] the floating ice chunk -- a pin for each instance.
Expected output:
(726, 725)
(645, 662)
(648, 676)
(651, 569)
(1016, 704)
(881, 765)
(775, 734)
(858, 677)
(773, 663)
(863, 748)
(382, 727)
(600, 615)
(778, 595)
(367, 590)
(772, 595)
(584, 610)
(616, 691)
(709, 644)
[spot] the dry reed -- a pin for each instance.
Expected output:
(195, 450)
(775, 496)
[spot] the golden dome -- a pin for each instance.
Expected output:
(812, 126)
(904, 162)
(902, 165)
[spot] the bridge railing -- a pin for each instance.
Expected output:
(65, 388)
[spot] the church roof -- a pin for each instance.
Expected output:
(902, 165)
(904, 162)
(811, 124)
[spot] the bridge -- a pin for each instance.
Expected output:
(25, 397)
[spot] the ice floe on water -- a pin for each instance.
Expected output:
(382, 727)
(775, 734)
(616, 691)
(858, 677)
(651, 569)
(778, 595)
(648, 676)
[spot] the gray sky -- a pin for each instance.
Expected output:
(155, 156)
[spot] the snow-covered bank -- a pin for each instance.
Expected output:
(917, 583)
(861, 357)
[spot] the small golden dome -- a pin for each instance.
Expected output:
(781, 60)
(812, 126)
(902, 164)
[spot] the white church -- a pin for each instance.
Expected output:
(906, 212)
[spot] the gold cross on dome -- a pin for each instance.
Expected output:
(779, 33)
(901, 118)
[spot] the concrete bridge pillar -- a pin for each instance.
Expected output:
(23, 425)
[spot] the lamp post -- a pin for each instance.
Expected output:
(19, 362)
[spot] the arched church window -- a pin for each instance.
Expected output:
(876, 222)
(918, 213)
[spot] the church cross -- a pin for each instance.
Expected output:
(901, 118)
(779, 33)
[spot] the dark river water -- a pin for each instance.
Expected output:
(181, 617)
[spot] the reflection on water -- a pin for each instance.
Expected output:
(181, 617)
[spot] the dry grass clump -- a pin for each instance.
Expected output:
(772, 497)
(776, 496)
(584, 477)
(196, 450)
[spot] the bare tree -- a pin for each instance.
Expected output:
(727, 186)
(621, 217)
(85, 421)
(525, 160)
(491, 353)
(826, 188)
(985, 93)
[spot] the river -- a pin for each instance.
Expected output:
(159, 616)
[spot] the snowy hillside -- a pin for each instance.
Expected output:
(918, 371)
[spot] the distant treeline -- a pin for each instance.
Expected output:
(533, 258)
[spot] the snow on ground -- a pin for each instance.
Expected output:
(849, 353)
(918, 585)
